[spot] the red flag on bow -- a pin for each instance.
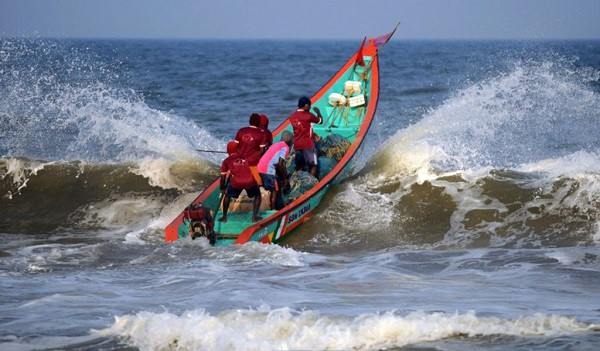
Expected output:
(359, 55)
(383, 39)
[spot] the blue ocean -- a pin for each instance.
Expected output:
(472, 221)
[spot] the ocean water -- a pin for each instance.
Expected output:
(472, 223)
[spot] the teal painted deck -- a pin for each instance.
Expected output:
(238, 221)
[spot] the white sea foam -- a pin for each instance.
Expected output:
(574, 164)
(168, 174)
(287, 329)
(20, 171)
(46, 257)
(253, 253)
(124, 212)
(353, 200)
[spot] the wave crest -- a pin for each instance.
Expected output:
(287, 329)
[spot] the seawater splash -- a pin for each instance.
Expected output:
(60, 102)
(511, 161)
(537, 110)
(287, 329)
(75, 140)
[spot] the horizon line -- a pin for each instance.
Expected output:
(191, 38)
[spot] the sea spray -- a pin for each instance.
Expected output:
(67, 104)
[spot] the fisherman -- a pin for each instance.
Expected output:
(301, 120)
(272, 169)
(251, 143)
(251, 140)
(241, 178)
(201, 222)
(264, 126)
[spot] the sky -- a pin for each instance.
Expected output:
(302, 19)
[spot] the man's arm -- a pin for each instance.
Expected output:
(281, 171)
(318, 118)
(224, 169)
(222, 182)
(318, 112)
(263, 143)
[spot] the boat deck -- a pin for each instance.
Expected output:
(238, 221)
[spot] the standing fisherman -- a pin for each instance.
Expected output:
(302, 120)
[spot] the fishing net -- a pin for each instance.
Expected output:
(300, 183)
(326, 165)
(290, 161)
(334, 146)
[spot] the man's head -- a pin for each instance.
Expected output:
(287, 137)
(264, 121)
(232, 147)
(255, 119)
(304, 103)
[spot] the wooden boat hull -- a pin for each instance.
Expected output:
(277, 225)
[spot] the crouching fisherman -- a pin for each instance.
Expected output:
(241, 179)
(271, 166)
(200, 222)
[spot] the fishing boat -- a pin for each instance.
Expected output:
(348, 102)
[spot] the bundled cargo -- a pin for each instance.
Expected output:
(300, 183)
(290, 162)
(326, 165)
(334, 146)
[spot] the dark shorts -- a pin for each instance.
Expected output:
(306, 157)
(235, 193)
(269, 181)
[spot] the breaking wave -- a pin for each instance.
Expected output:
(80, 150)
(512, 161)
(287, 329)
(40, 197)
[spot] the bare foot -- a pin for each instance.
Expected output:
(223, 219)
(257, 219)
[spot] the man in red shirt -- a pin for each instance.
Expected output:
(264, 126)
(251, 141)
(302, 120)
(241, 179)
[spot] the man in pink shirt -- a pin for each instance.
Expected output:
(271, 166)
(302, 120)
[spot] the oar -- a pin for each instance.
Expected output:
(213, 151)
(222, 196)
(228, 236)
